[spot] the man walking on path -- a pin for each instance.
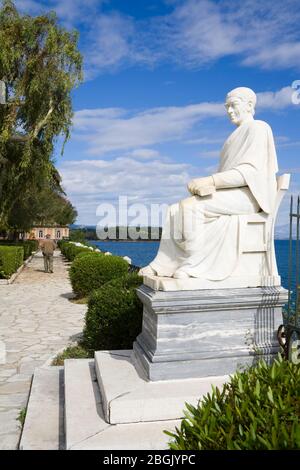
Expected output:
(48, 246)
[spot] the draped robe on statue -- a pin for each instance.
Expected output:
(200, 235)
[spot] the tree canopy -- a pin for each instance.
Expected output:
(45, 206)
(40, 65)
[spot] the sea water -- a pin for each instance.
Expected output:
(141, 253)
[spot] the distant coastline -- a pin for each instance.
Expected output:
(90, 233)
(129, 240)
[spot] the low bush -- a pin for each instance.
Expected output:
(114, 316)
(91, 272)
(28, 245)
(11, 258)
(259, 409)
(60, 243)
(70, 250)
(88, 253)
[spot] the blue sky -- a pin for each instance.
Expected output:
(150, 116)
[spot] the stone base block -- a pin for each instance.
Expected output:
(192, 334)
(170, 284)
(128, 397)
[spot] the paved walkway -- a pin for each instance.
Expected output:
(36, 320)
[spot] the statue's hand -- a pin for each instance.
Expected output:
(197, 184)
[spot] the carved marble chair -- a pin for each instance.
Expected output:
(256, 242)
(257, 265)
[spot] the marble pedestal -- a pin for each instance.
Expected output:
(129, 397)
(202, 333)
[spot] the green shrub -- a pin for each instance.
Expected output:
(77, 235)
(91, 272)
(28, 245)
(60, 243)
(70, 251)
(259, 409)
(88, 253)
(11, 258)
(114, 316)
(27, 250)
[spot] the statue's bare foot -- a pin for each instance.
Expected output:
(147, 271)
(180, 275)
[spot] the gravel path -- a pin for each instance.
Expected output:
(36, 320)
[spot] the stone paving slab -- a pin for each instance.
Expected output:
(36, 320)
(44, 424)
(85, 425)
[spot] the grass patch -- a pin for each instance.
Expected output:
(79, 300)
(22, 416)
(72, 352)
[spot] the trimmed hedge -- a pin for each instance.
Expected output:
(70, 251)
(28, 245)
(91, 272)
(88, 253)
(259, 409)
(11, 258)
(60, 243)
(114, 316)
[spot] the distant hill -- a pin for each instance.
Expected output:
(281, 231)
(129, 233)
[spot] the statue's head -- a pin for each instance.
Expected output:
(240, 105)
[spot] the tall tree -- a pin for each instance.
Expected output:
(40, 65)
(47, 205)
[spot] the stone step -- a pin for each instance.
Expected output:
(43, 428)
(129, 397)
(85, 425)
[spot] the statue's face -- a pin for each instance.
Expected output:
(238, 110)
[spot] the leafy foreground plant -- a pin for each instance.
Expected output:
(259, 409)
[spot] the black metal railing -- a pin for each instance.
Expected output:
(289, 332)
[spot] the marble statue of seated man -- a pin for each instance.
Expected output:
(200, 234)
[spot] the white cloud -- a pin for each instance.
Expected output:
(124, 175)
(89, 183)
(29, 6)
(112, 129)
(108, 43)
(272, 100)
(210, 154)
(70, 12)
(103, 131)
(197, 30)
(74, 12)
(193, 34)
(259, 33)
(205, 140)
(144, 153)
(285, 55)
